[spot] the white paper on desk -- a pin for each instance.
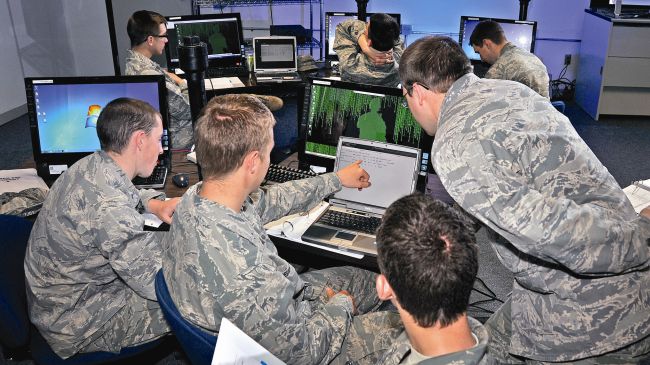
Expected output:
(234, 347)
(151, 220)
(13, 181)
(293, 226)
(222, 83)
(637, 195)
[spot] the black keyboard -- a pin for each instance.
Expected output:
(155, 181)
(231, 71)
(355, 222)
(279, 174)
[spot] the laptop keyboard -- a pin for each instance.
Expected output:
(361, 223)
(155, 181)
(279, 174)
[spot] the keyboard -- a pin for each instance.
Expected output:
(279, 174)
(155, 181)
(354, 222)
(230, 71)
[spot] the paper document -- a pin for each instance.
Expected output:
(13, 181)
(293, 226)
(222, 83)
(234, 347)
(639, 194)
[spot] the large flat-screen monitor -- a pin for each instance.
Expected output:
(63, 113)
(221, 32)
(335, 108)
(519, 32)
(332, 19)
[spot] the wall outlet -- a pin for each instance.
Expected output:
(567, 59)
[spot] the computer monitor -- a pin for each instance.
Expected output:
(335, 108)
(519, 32)
(63, 113)
(221, 32)
(332, 19)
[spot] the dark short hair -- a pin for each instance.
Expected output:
(487, 29)
(434, 61)
(230, 126)
(384, 32)
(120, 119)
(428, 253)
(142, 24)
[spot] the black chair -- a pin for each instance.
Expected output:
(17, 334)
(197, 344)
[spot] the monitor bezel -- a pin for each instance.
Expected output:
(464, 18)
(215, 62)
(42, 160)
(334, 56)
(306, 160)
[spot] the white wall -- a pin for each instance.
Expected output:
(12, 99)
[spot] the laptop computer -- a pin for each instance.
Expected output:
(350, 222)
(276, 59)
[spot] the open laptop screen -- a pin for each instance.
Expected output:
(519, 32)
(275, 54)
(393, 171)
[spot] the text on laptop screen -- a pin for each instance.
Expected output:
(392, 171)
(368, 112)
(333, 19)
(275, 53)
(222, 35)
(67, 113)
(520, 33)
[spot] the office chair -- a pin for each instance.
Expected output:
(559, 105)
(197, 344)
(17, 335)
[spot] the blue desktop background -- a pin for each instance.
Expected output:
(62, 111)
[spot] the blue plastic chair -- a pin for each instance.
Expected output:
(559, 105)
(17, 334)
(197, 344)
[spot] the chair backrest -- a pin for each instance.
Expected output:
(14, 321)
(559, 105)
(197, 344)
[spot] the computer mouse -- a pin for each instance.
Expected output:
(181, 180)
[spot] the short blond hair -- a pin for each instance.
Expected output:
(230, 126)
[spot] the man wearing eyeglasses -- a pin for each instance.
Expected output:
(576, 247)
(148, 34)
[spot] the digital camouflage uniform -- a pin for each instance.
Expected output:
(575, 245)
(400, 350)
(220, 263)
(517, 64)
(89, 265)
(355, 66)
(180, 118)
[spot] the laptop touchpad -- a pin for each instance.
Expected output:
(320, 232)
(345, 236)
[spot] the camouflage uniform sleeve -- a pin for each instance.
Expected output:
(134, 254)
(294, 196)
(398, 50)
(148, 194)
(558, 229)
(351, 58)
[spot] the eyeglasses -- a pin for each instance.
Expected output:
(409, 92)
(159, 36)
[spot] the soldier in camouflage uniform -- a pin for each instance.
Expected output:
(576, 247)
(508, 61)
(369, 53)
(439, 248)
(148, 33)
(219, 262)
(89, 264)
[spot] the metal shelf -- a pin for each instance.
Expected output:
(314, 43)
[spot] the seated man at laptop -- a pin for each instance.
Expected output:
(89, 265)
(369, 53)
(438, 246)
(148, 34)
(220, 263)
(508, 61)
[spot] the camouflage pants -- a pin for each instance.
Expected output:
(372, 332)
(138, 322)
(499, 328)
